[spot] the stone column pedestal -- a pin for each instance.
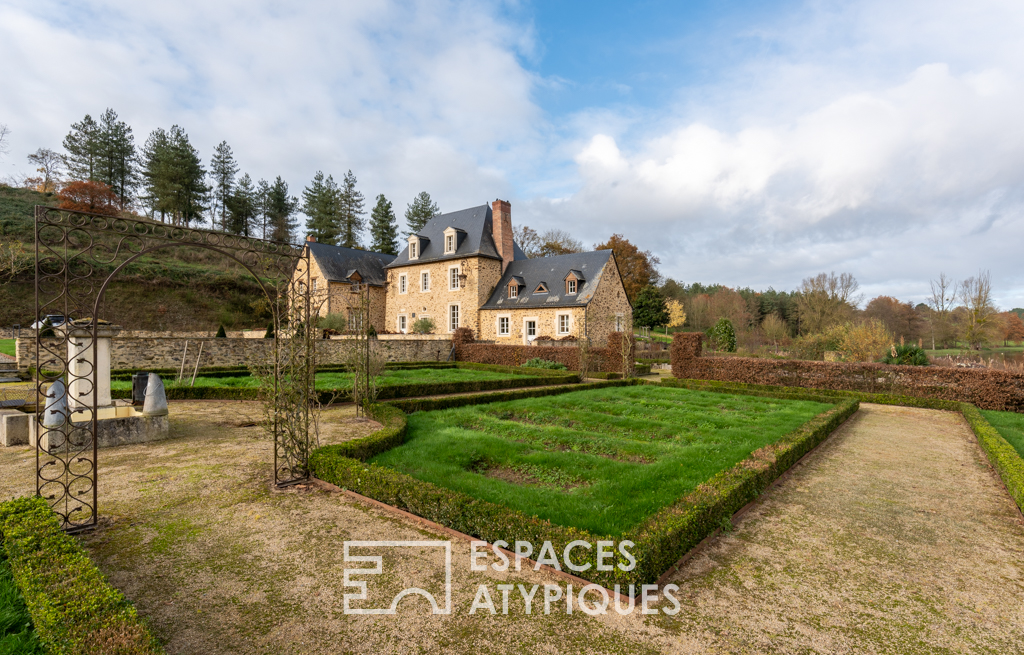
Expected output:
(81, 365)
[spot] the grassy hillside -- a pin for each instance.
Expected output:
(178, 288)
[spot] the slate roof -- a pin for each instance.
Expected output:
(551, 271)
(338, 264)
(478, 242)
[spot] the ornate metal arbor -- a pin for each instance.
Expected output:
(77, 256)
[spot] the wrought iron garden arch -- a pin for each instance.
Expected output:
(74, 251)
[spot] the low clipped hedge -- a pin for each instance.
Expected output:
(659, 542)
(391, 391)
(1003, 456)
(604, 375)
(74, 610)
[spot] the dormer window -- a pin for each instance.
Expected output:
(452, 236)
(541, 288)
(513, 290)
(413, 249)
(573, 280)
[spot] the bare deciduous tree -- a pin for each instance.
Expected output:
(49, 165)
(942, 302)
(826, 299)
(4, 133)
(976, 296)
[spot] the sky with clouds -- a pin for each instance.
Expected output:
(746, 143)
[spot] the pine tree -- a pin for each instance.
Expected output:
(156, 183)
(243, 212)
(420, 212)
(321, 202)
(383, 227)
(174, 177)
(223, 170)
(263, 207)
(350, 215)
(116, 161)
(280, 209)
(82, 144)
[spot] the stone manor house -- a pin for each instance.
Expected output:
(464, 269)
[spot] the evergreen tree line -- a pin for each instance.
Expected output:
(167, 178)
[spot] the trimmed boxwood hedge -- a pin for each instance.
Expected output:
(1003, 456)
(387, 392)
(659, 542)
(74, 610)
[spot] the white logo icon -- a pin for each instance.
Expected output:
(378, 568)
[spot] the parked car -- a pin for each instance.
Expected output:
(50, 320)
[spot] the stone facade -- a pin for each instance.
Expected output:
(609, 310)
(153, 353)
(338, 298)
(482, 274)
(547, 321)
(596, 319)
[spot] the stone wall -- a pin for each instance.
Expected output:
(610, 301)
(985, 388)
(607, 359)
(546, 317)
(149, 353)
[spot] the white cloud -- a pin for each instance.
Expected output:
(893, 175)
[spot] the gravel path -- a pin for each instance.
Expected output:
(895, 537)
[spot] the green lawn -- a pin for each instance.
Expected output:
(1008, 424)
(7, 347)
(16, 634)
(602, 460)
(340, 380)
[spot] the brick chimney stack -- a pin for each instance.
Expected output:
(311, 238)
(501, 230)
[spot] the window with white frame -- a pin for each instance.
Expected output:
(453, 278)
(413, 247)
(563, 324)
(503, 326)
(425, 281)
(570, 285)
(314, 285)
(449, 243)
(618, 323)
(402, 324)
(513, 290)
(453, 318)
(403, 283)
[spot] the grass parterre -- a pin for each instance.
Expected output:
(601, 460)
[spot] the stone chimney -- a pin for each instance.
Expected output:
(501, 230)
(311, 238)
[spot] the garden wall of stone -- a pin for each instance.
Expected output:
(167, 352)
(985, 388)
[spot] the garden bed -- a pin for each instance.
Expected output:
(614, 461)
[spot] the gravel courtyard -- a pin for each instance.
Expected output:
(893, 537)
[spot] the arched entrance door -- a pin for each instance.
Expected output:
(77, 256)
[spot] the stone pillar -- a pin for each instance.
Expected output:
(81, 366)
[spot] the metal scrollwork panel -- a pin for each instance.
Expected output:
(77, 256)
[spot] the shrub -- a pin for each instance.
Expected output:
(74, 609)
(334, 321)
(423, 326)
(866, 342)
(270, 331)
(723, 335)
(907, 355)
(537, 362)
(813, 346)
(221, 334)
